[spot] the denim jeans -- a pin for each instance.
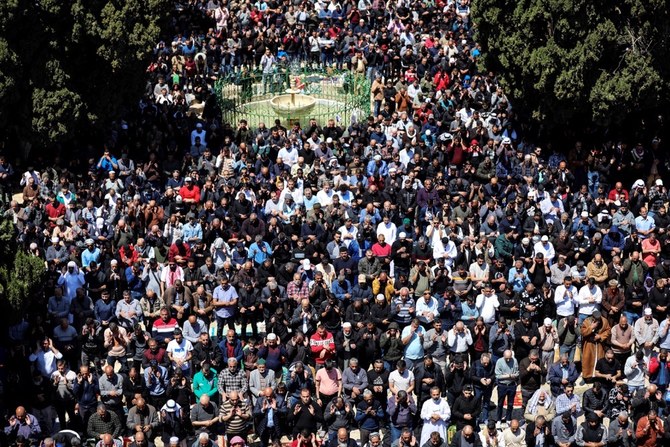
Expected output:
(485, 395)
(506, 391)
(632, 317)
(411, 363)
(570, 350)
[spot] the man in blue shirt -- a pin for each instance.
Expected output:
(518, 277)
(107, 162)
(412, 338)
(259, 251)
(225, 305)
(192, 230)
(92, 253)
(377, 167)
(644, 224)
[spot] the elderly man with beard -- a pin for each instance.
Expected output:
(260, 379)
(142, 418)
(621, 431)
(232, 379)
(646, 333)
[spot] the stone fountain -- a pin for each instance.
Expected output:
(292, 102)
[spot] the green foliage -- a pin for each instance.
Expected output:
(67, 64)
(572, 63)
(21, 275)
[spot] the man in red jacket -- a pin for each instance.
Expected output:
(322, 344)
(649, 430)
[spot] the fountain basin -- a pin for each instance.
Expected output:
(292, 103)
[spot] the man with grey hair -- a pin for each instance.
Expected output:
(375, 440)
(507, 375)
(354, 379)
(621, 432)
(369, 415)
(203, 441)
(232, 379)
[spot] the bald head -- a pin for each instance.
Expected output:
(20, 412)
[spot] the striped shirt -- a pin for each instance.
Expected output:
(238, 423)
(162, 329)
(401, 309)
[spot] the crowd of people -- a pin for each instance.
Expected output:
(426, 276)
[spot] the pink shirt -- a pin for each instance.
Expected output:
(328, 381)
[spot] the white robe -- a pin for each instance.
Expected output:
(429, 426)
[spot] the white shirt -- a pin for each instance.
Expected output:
(325, 198)
(478, 272)
(401, 382)
(547, 250)
(429, 308)
(546, 206)
(179, 351)
(46, 361)
(634, 375)
(450, 252)
(289, 156)
(585, 295)
(430, 407)
(487, 306)
(388, 230)
(459, 342)
(296, 193)
(565, 299)
(353, 232)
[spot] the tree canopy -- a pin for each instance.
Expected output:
(21, 276)
(66, 65)
(572, 64)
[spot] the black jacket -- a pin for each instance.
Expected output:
(455, 380)
(457, 440)
(463, 406)
(420, 373)
(530, 435)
